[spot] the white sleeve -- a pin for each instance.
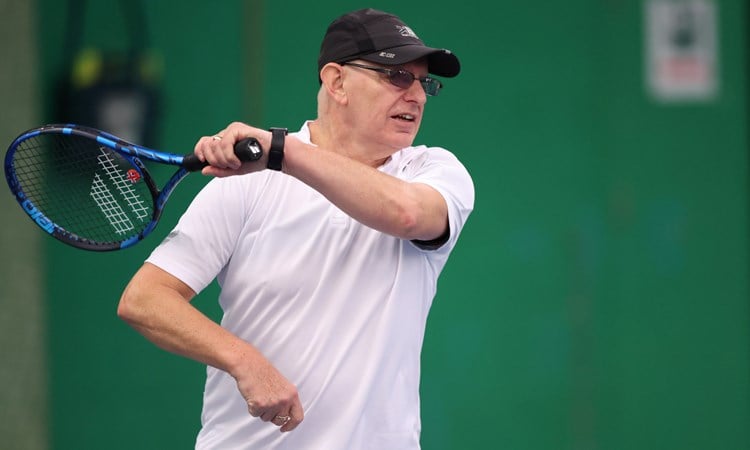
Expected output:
(203, 241)
(441, 170)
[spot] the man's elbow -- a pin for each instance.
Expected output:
(421, 213)
(127, 308)
(420, 219)
(135, 302)
(148, 289)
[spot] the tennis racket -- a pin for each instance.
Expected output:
(90, 189)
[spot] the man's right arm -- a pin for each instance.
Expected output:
(157, 305)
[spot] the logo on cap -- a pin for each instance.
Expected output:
(406, 31)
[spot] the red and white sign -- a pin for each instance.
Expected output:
(681, 49)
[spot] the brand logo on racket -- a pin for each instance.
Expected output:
(133, 176)
(37, 216)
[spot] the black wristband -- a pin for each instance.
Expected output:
(276, 152)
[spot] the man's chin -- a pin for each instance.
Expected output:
(403, 140)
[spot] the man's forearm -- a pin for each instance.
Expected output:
(378, 200)
(159, 308)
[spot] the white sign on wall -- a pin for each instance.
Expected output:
(681, 49)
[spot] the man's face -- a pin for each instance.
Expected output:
(382, 112)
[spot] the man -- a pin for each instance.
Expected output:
(327, 251)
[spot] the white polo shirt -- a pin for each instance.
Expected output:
(337, 307)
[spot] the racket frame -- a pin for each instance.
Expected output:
(131, 152)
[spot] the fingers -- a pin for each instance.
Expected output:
(296, 416)
(268, 394)
(270, 415)
(281, 419)
(286, 421)
(285, 414)
(254, 409)
(218, 151)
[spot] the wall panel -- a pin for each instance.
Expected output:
(598, 298)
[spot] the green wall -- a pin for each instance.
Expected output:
(109, 387)
(599, 296)
(23, 374)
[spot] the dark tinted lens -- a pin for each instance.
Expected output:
(401, 78)
(431, 86)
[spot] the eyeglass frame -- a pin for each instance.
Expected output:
(426, 82)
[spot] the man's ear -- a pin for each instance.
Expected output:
(332, 78)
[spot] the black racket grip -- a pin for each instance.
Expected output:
(247, 149)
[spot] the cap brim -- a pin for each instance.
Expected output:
(440, 61)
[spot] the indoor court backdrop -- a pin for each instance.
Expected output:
(598, 298)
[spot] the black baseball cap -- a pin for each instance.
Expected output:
(380, 37)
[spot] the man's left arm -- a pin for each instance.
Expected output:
(413, 211)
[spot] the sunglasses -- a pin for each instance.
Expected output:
(403, 78)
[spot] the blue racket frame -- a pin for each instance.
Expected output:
(134, 154)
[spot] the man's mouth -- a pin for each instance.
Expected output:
(405, 117)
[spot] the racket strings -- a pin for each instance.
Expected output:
(107, 202)
(85, 188)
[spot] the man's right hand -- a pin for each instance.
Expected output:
(269, 395)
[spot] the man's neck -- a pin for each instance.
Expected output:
(341, 141)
